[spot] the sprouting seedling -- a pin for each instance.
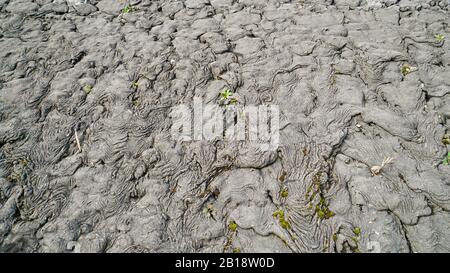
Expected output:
(406, 69)
(439, 37)
(279, 214)
(334, 237)
(357, 231)
(376, 170)
(136, 102)
(128, 9)
(228, 97)
(226, 94)
(322, 209)
(232, 226)
(134, 84)
(237, 250)
(446, 159)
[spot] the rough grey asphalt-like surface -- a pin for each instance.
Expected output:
(334, 69)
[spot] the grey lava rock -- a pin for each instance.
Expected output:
(89, 97)
(58, 8)
(85, 9)
(21, 6)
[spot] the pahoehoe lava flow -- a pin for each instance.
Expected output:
(88, 162)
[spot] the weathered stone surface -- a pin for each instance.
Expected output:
(85, 9)
(54, 7)
(111, 6)
(21, 6)
(88, 91)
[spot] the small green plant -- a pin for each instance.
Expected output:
(87, 88)
(322, 210)
(136, 102)
(279, 214)
(446, 140)
(446, 160)
(439, 37)
(134, 84)
(227, 97)
(314, 190)
(357, 231)
(237, 250)
(128, 9)
(335, 237)
(226, 94)
(23, 162)
(232, 226)
(284, 192)
(406, 69)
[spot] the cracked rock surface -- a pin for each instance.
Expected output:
(356, 82)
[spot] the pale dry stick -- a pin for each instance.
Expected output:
(78, 141)
(375, 170)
